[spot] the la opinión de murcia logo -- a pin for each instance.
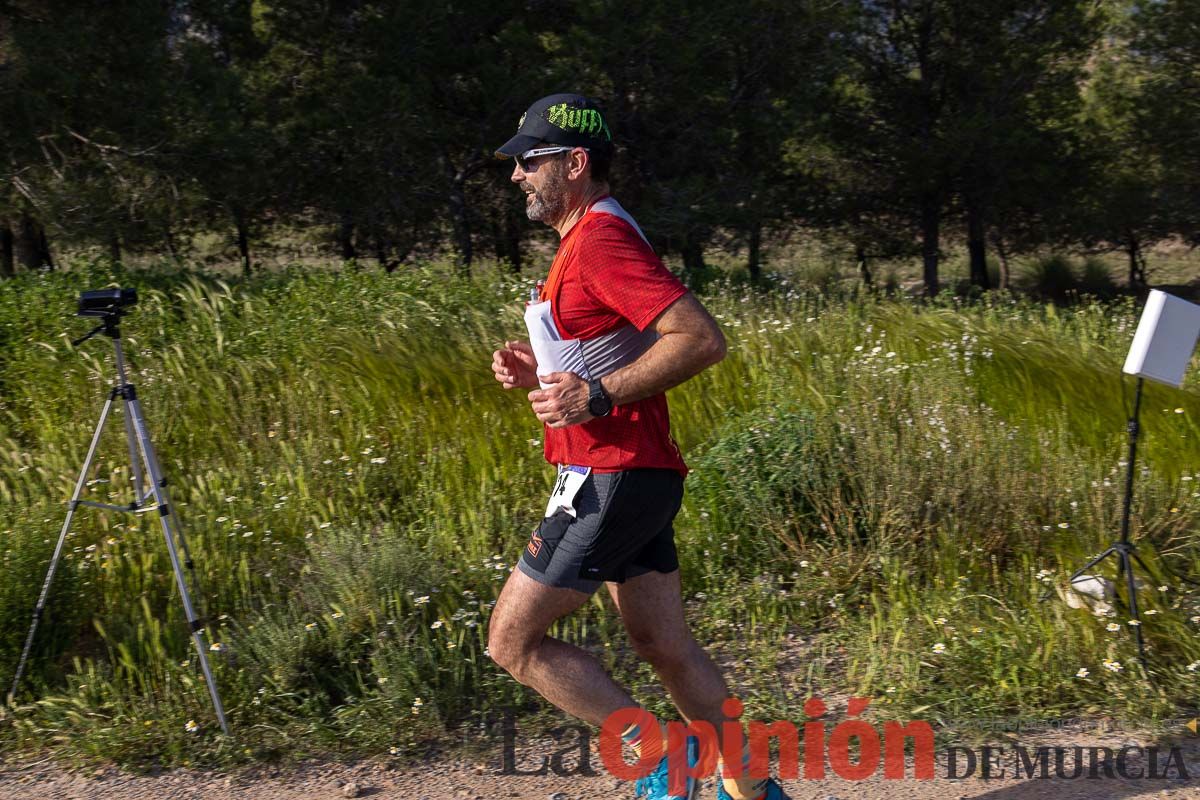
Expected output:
(853, 750)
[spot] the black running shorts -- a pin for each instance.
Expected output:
(623, 529)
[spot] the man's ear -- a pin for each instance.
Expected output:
(578, 161)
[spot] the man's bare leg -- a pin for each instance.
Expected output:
(570, 678)
(651, 607)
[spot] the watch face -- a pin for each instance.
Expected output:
(599, 406)
(599, 403)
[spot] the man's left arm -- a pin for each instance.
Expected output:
(689, 341)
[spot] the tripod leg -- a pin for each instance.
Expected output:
(1090, 564)
(1071, 580)
(139, 480)
(62, 537)
(164, 512)
(133, 416)
(1131, 587)
(1138, 560)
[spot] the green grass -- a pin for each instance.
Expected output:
(876, 477)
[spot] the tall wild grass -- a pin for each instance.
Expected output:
(882, 494)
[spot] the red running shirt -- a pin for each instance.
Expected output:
(603, 278)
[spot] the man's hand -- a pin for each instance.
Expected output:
(564, 403)
(515, 366)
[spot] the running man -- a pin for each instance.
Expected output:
(610, 333)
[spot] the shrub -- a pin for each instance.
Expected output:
(1052, 278)
(1096, 278)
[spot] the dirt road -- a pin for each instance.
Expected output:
(475, 779)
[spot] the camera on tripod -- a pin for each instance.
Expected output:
(106, 302)
(150, 491)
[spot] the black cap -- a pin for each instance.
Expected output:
(567, 119)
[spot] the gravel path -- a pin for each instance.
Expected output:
(457, 779)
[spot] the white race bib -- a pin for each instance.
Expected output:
(566, 486)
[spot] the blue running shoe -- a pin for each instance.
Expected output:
(655, 786)
(774, 791)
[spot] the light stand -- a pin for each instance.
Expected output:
(1124, 550)
(1161, 350)
(138, 440)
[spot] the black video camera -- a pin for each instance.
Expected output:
(106, 302)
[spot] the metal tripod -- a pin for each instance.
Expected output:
(141, 454)
(1124, 550)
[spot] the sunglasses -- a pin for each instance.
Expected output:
(522, 159)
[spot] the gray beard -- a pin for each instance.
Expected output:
(550, 203)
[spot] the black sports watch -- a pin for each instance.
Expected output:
(599, 403)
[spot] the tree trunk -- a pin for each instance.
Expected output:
(25, 242)
(7, 267)
(693, 256)
(864, 266)
(930, 231)
(114, 247)
(346, 237)
(44, 246)
(929, 109)
(381, 255)
(512, 238)
(754, 259)
(1002, 252)
(32, 248)
(458, 216)
(506, 240)
(243, 239)
(1137, 261)
(462, 228)
(169, 239)
(497, 232)
(977, 246)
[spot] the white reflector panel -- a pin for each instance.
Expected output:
(1166, 336)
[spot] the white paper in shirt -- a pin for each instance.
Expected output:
(553, 353)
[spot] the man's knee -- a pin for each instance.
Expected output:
(511, 652)
(663, 652)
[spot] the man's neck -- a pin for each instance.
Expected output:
(578, 209)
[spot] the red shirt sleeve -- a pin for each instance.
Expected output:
(620, 271)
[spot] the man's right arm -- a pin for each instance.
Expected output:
(689, 341)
